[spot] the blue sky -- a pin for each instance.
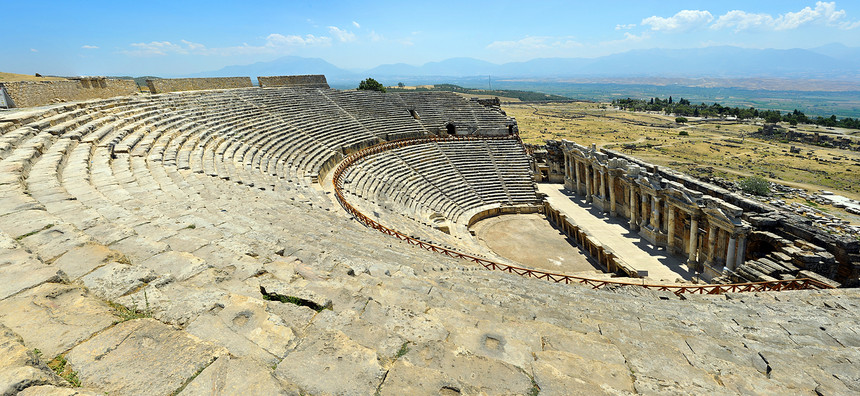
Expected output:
(178, 37)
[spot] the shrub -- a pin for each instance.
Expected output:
(683, 133)
(371, 85)
(680, 120)
(755, 185)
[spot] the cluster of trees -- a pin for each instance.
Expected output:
(370, 84)
(683, 107)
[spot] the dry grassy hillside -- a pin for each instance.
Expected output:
(719, 148)
(25, 77)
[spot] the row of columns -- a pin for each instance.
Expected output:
(596, 184)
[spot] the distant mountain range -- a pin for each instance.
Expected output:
(829, 62)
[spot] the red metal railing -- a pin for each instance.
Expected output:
(792, 284)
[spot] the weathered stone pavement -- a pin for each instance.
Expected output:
(142, 274)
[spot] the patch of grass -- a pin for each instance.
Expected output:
(293, 300)
(120, 258)
(535, 389)
(61, 367)
(125, 313)
(402, 351)
(31, 233)
(190, 227)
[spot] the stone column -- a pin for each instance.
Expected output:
(611, 195)
(578, 178)
(712, 243)
(595, 183)
(655, 213)
(666, 208)
(694, 235)
(602, 175)
(588, 183)
(568, 181)
(670, 228)
(742, 247)
(633, 206)
(643, 217)
(730, 255)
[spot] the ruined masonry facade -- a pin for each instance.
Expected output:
(307, 81)
(39, 93)
(164, 85)
(707, 231)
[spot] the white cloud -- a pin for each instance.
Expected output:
(625, 27)
(535, 43)
(357, 26)
(33, 50)
(628, 38)
(824, 13)
(684, 20)
(376, 36)
(341, 35)
(161, 48)
(279, 40)
(89, 47)
(742, 20)
(536, 46)
(275, 43)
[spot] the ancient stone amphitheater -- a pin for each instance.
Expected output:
(197, 243)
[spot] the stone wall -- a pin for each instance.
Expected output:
(38, 93)
(163, 85)
(705, 223)
(307, 81)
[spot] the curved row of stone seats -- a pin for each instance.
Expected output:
(386, 116)
(444, 179)
(438, 109)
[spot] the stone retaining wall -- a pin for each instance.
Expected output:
(38, 93)
(308, 81)
(163, 85)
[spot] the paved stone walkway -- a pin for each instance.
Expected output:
(613, 233)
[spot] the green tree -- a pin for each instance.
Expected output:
(680, 120)
(400, 85)
(755, 185)
(371, 85)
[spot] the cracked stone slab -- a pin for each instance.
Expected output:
(20, 367)
(55, 317)
(20, 270)
(179, 265)
(245, 328)
(115, 279)
(173, 302)
(404, 378)
(55, 241)
(331, 363)
(220, 378)
(80, 261)
(142, 356)
(561, 373)
(50, 390)
(482, 375)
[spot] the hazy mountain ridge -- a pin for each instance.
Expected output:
(829, 62)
